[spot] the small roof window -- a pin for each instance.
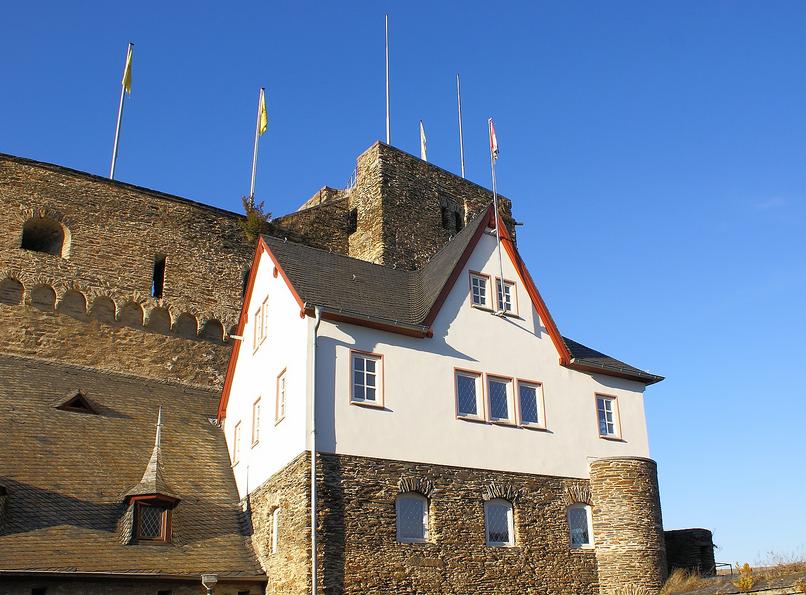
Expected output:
(77, 402)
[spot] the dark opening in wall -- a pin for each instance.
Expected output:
(39, 591)
(41, 234)
(352, 221)
(158, 278)
(458, 223)
(246, 274)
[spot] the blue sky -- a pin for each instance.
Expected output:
(655, 152)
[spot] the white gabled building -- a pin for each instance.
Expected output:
(463, 445)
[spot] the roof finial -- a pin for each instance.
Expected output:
(159, 428)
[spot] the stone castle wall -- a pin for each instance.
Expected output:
(627, 525)
(288, 569)
(359, 553)
(404, 209)
(114, 233)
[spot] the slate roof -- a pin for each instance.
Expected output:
(350, 285)
(383, 294)
(67, 474)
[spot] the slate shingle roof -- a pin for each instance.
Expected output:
(66, 474)
(349, 285)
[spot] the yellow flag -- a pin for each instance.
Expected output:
(127, 72)
(264, 116)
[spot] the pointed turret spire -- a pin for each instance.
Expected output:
(153, 483)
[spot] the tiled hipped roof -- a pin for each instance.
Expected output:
(70, 471)
(385, 295)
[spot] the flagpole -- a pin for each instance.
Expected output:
(388, 133)
(120, 120)
(257, 135)
(500, 309)
(461, 142)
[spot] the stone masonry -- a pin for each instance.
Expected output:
(359, 552)
(627, 525)
(404, 210)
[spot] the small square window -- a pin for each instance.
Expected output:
(256, 422)
(279, 411)
(151, 522)
(498, 523)
(607, 416)
(366, 375)
(530, 404)
(468, 395)
(506, 296)
(478, 290)
(500, 398)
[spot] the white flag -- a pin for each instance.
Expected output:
(423, 142)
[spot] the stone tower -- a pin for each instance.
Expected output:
(627, 525)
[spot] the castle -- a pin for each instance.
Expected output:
(164, 382)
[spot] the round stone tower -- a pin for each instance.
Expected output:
(627, 525)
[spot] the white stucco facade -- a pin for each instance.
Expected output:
(418, 419)
(284, 350)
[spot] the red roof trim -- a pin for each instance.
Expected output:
(460, 265)
(236, 349)
(534, 294)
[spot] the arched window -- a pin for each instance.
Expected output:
(41, 234)
(580, 528)
(498, 523)
(412, 518)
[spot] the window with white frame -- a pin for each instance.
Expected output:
(256, 422)
(282, 388)
(580, 527)
(261, 323)
(498, 522)
(468, 395)
(366, 380)
(478, 290)
(530, 404)
(412, 518)
(500, 397)
(607, 416)
(236, 443)
(275, 529)
(506, 296)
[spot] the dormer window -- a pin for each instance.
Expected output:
(77, 402)
(152, 522)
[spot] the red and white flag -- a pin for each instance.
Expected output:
(493, 140)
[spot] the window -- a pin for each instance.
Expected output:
(275, 529)
(506, 300)
(499, 393)
(580, 529)
(412, 518)
(236, 443)
(478, 290)
(498, 523)
(41, 234)
(352, 221)
(607, 416)
(158, 276)
(256, 422)
(261, 323)
(152, 522)
(530, 404)
(366, 381)
(279, 409)
(468, 395)
(39, 591)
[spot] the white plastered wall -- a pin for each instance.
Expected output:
(418, 421)
(285, 347)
